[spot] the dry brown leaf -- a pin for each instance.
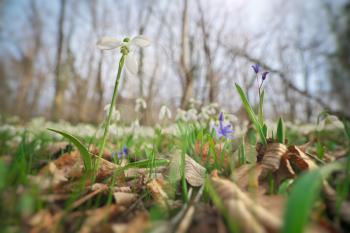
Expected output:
(331, 202)
(247, 177)
(194, 172)
(138, 225)
(285, 171)
(125, 199)
(44, 221)
(56, 148)
(229, 191)
(124, 189)
(68, 167)
(273, 203)
(97, 216)
(156, 187)
(106, 154)
(239, 212)
(300, 159)
(272, 158)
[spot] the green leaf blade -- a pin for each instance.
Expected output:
(251, 114)
(280, 131)
(82, 149)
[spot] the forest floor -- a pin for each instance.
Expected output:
(176, 178)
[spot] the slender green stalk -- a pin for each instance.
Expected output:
(114, 98)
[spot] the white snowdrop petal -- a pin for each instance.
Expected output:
(141, 41)
(106, 43)
(131, 64)
(164, 112)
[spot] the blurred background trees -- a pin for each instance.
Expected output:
(50, 66)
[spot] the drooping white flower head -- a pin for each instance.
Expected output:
(164, 112)
(115, 113)
(140, 104)
(181, 115)
(108, 43)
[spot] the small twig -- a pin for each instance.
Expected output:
(86, 198)
(179, 215)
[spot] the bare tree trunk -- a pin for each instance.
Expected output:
(37, 92)
(23, 89)
(59, 81)
(143, 25)
(210, 76)
(186, 71)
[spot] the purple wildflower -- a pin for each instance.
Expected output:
(123, 153)
(223, 130)
(264, 75)
(125, 150)
(256, 68)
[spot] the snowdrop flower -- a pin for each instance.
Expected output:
(126, 46)
(140, 104)
(164, 112)
(135, 125)
(115, 113)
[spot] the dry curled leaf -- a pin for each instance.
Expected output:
(194, 172)
(247, 176)
(299, 159)
(230, 194)
(272, 158)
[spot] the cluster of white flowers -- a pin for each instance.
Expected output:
(140, 104)
(209, 111)
(188, 116)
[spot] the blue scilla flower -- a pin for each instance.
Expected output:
(122, 154)
(264, 75)
(256, 68)
(223, 130)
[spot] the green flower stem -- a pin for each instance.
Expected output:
(114, 98)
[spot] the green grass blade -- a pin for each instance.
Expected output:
(280, 131)
(300, 203)
(264, 129)
(347, 129)
(145, 163)
(82, 149)
(251, 114)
